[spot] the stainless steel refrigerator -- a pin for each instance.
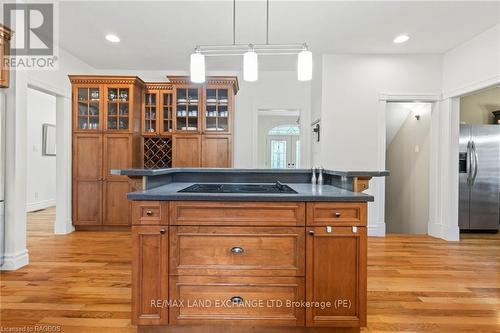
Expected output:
(479, 173)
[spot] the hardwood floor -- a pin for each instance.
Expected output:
(81, 283)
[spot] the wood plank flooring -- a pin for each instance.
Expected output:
(81, 283)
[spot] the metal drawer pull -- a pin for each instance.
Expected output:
(149, 212)
(311, 232)
(337, 215)
(236, 299)
(237, 249)
(162, 231)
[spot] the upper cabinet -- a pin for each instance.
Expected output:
(88, 106)
(206, 108)
(218, 109)
(5, 35)
(157, 109)
(109, 104)
(187, 108)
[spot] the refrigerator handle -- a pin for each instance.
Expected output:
(476, 162)
(469, 163)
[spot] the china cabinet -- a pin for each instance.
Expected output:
(5, 35)
(106, 122)
(121, 122)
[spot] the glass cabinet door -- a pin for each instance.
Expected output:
(216, 112)
(118, 108)
(187, 103)
(167, 122)
(88, 109)
(150, 112)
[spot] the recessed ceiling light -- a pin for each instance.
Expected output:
(401, 39)
(112, 38)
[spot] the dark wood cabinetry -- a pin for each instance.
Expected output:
(5, 35)
(336, 273)
(237, 259)
(120, 122)
(106, 113)
(150, 276)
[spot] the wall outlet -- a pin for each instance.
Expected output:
(417, 149)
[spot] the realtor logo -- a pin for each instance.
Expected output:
(34, 44)
(33, 24)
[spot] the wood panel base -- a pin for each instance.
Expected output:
(243, 329)
(102, 228)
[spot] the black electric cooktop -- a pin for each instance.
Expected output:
(239, 188)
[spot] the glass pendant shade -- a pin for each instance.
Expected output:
(304, 66)
(250, 66)
(197, 68)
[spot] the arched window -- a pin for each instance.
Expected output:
(285, 130)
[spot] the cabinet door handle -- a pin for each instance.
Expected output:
(149, 212)
(237, 249)
(162, 231)
(337, 214)
(236, 299)
(311, 232)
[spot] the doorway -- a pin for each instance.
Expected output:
(283, 151)
(408, 143)
(41, 155)
(279, 139)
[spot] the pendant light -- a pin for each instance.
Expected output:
(251, 53)
(197, 67)
(304, 65)
(250, 65)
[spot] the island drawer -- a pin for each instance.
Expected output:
(236, 300)
(149, 213)
(242, 251)
(336, 214)
(237, 213)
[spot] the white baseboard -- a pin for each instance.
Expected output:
(63, 228)
(12, 262)
(443, 232)
(377, 229)
(34, 206)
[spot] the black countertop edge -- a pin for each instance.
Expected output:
(228, 197)
(159, 172)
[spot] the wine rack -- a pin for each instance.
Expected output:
(157, 152)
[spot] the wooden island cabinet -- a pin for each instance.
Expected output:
(122, 122)
(278, 264)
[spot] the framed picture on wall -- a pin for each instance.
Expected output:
(48, 140)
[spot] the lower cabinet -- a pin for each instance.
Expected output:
(150, 275)
(87, 203)
(217, 300)
(116, 204)
(216, 151)
(186, 151)
(272, 275)
(336, 273)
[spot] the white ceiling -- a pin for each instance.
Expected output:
(159, 35)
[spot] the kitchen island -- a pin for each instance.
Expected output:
(243, 248)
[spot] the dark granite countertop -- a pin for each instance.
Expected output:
(158, 172)
(305, 192)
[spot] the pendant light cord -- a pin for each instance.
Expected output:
(234, 22)
(267, 22)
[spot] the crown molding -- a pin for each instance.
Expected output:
(5, 33)
(215, 80)
(158, 85)
(105, 79)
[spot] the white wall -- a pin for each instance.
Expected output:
(57, 83)
(471, 66)
(273, 90)
(41, 170)
(353, 117)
